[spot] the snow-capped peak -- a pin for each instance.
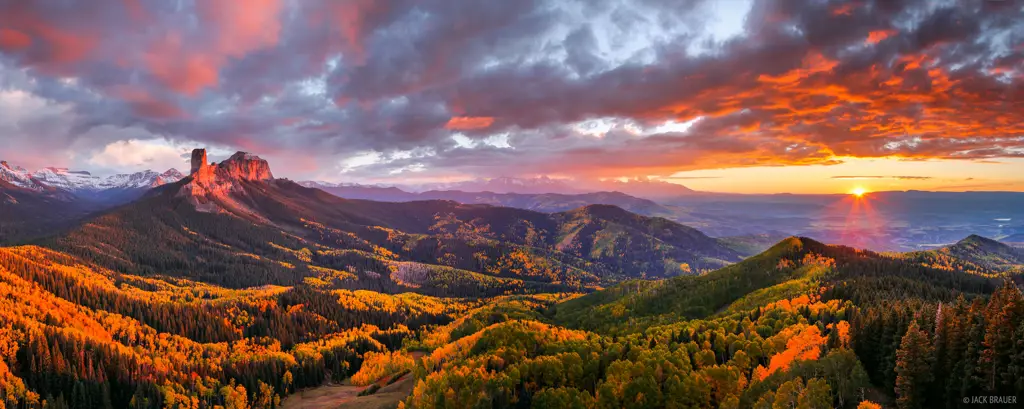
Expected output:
(17, 176)
(84, 182)
(140, 180)
(62, 178)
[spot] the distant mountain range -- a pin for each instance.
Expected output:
(643, 188)
(542, 202)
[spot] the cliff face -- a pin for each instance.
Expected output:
(240, 166)
(215, 187)
(198, 161)
(245, 166)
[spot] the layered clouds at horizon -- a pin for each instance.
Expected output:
(744, 96)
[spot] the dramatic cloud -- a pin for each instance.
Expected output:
(378, 89)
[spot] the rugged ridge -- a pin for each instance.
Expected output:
(17, 176)
(240, 166)
(217, 188)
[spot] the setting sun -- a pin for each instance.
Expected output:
(858, 191)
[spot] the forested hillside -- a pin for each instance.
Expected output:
(974, 254)
(76, 335)
(790, 268)
(802, 325)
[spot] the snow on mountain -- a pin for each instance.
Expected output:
(79, 182)
(17, 176)
(140, 180)
(62, 178)
(318, 184)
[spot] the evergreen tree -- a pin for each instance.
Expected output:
(913, 368)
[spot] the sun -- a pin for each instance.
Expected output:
(858, 191)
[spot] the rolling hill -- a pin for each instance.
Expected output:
(975, 254)
(794, 266)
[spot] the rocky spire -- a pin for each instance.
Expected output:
(198, 160)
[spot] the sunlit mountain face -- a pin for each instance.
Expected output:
(419, 204)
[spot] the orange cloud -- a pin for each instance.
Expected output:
(242, 26)
(179, 70)
(56, 46)
(876, 37)
(11, 40)
(236, 29)
(844, 9)
(469, 122)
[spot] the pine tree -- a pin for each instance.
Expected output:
(913, 368)
(1004, 308)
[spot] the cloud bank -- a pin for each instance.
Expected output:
(378, 89)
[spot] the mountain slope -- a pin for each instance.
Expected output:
(635, 305)
(234, 224)
(974, 254)
(31, 213)
(70, 325)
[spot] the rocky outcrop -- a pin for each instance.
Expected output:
(215, 188)
(240, 166)
(245, 166)
(198, 160)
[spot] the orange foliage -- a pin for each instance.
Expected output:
(843, 329)
(378, 365)
(803, 344)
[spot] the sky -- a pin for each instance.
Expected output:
(802, 96)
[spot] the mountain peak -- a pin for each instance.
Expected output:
(979, 240)
(245, 166)
(214, 187)
(240, 166)
(975, 243)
